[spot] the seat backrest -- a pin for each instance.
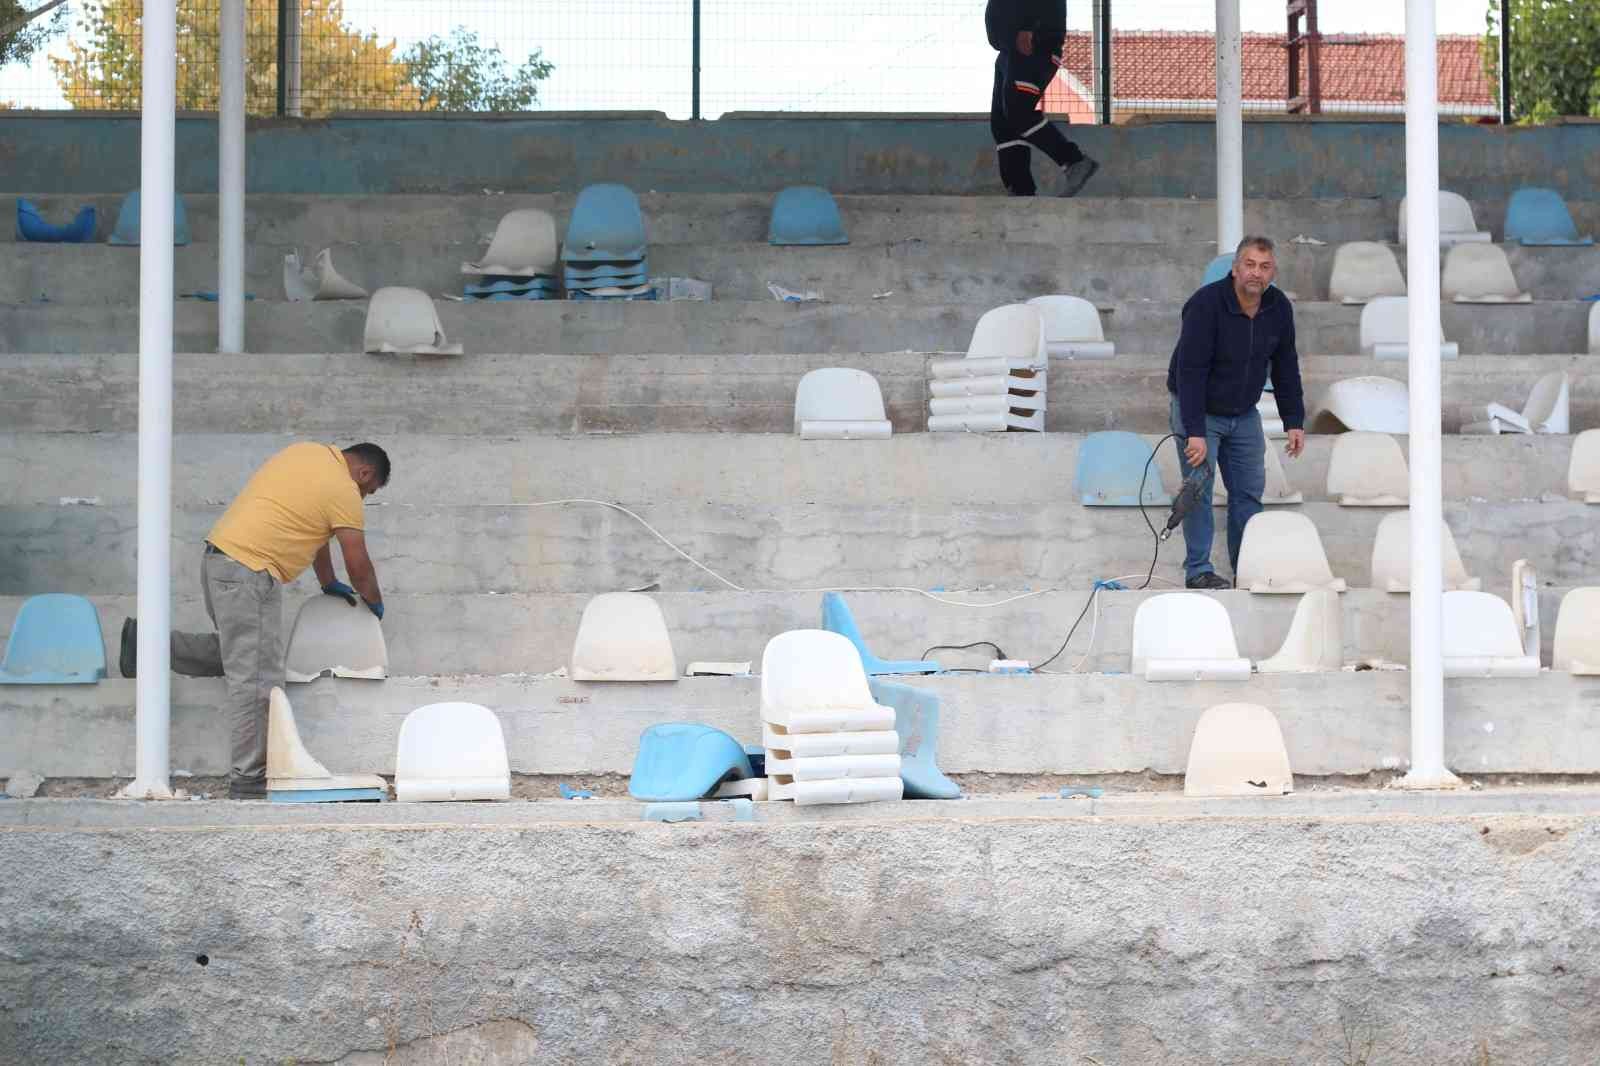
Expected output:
(1364, 270)
(806, 669)
(451, 742)
(1455, 216)
(1525, 605)
(1370, 403)
(1068, 318)
(1237, 750)
(1478, 271)
(1577, 640)
(1536, 216)
(1391, 556)
(1478, 625)
(606, 224)
(805, 215)
(1368, 470)
(1219, 267)
(524, 244)
(331, 636)
(1282, 553)
(623, 636)
(402, 319)
(1583, 468)
(1181, 625)
(1111, 464)
(838, 394)
(1385, 320)
(1549, 404)
(1013, 331)
(55, 639)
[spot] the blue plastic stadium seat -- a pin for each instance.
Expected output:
(31, 226)
(606, 224)
(916, 719)
(1110, 465)
(684, 761)
(497, 288)
(1539, 216)
(1217, 269)
(836, 618)
(127, 230)
(55, 640)
(805, 214)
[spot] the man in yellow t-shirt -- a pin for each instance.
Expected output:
(299, 500)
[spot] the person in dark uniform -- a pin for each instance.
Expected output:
(1029, 35)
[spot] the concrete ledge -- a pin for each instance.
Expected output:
(1334, 724)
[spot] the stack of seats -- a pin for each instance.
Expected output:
(521, 261)
(1000, 384)
(605, 256)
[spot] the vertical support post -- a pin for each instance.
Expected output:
(1313, 59)
(157, 129)
(694, 86)
(1422, 266)
(230, 181)
(291, 47)
(1230, 127)
(1506, 117)
(1102, 51)
(283, 58)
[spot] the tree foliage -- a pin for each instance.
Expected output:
(1555, 57)
(460, 74)
(20, 45)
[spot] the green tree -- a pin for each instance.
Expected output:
(460, 74)
(1555, 57)
(21, 35)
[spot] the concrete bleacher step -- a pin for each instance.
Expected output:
(731, 327)
(687, 218)
(522, 633)
(1077, 724)
(783, 545)
(920, 470)
(521, 394)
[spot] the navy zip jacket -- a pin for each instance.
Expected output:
(1223, 357)
(1004, 19)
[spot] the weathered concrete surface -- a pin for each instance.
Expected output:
(443, 633)
(1333, 724)
(795, 545)
(752, 393)
(1162, 940)
(897, 154)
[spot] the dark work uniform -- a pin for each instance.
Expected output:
(1019, 85)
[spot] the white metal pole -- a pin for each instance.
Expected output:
(1230, 127)
(157, 128)
(230, 181)
(1422, 267)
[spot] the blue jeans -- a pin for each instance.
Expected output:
(1236, 445)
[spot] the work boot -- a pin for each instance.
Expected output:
(1211, 581)
(129, 658)
(1075, 176)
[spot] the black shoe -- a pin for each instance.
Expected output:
(129, 659)
(246, 788)
(1076, 175)
(1210, 581)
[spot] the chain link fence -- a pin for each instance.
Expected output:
(705, 58)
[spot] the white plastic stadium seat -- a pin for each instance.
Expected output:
(1364, 270)
(1184, 636)
(1480, 274)
(1316, 638)
(1072, 328)
(1282, 554)
(1373, 404)
(524, 245)
(622, 636)
(812, 681)
(1456, 224)
(1577, 643)
(332, 637)
(319, 281)
(1548, 410)
(1368, 470)
(293, 775)
(1278, 491)
(1014, 332)
(838, 403)
(405, 321)
(1001, 383)
(1391, 556)
(1238, 750)
(1479, 638)
(1583, 469)
(1385, 330)
(452, 751)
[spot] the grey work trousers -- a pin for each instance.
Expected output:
(246, 606)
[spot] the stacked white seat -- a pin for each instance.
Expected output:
(1548, 410)
(827, 740)
(1456, 224)
(1368, 470)
(1386, 328)
(1479, 638)
(1282, 554)
(1364, 270)
(1184, 636)
(1000, 384)
(1391, 556)
(1480, 274)
(1072, 328)
(838, 403)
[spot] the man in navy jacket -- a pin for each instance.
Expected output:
(1236, 332)
(1029, 35)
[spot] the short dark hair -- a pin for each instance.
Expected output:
(1259, 243)
(374, 455)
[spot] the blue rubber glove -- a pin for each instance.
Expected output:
(375, 608)
(339, 588)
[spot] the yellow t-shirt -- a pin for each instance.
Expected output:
(289, 510)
